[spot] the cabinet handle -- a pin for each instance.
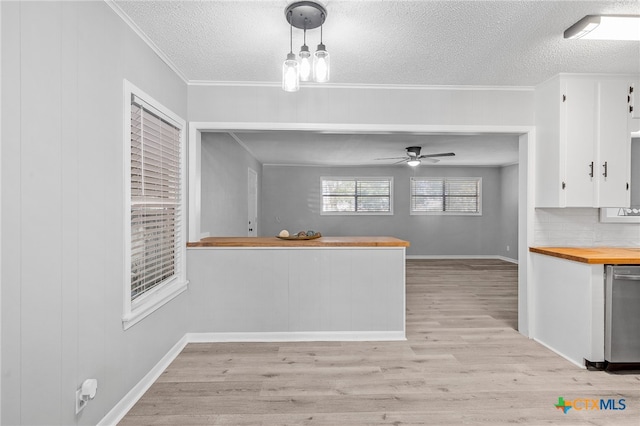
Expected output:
(605, 169)
(591, 169)
(564, 185)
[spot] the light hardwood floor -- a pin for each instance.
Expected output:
(462, 363)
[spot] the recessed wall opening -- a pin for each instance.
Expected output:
(290, 159)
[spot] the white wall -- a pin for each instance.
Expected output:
(291, 200)
(224, 185)
(63, 65)
(437, 106)
(581, 227)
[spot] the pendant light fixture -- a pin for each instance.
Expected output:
(290, 70)
(305, 60)
(305, 15)
(321, 62)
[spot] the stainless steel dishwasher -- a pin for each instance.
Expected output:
(622, 314)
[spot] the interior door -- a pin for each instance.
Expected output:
(253, 204)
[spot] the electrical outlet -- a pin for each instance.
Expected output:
(85, 393)
(507, 248)
(80, 403)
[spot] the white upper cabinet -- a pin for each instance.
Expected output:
(583, 141)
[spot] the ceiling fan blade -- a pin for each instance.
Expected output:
(430, 160)
(444, 154)
(391, 158)
(401, 161)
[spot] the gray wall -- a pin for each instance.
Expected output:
(509, 212)
(224, 185)
(63, 65)
(291, 200)
(635, 172)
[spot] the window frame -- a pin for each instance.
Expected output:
(356, 179)
(136, 310)
(413, 212)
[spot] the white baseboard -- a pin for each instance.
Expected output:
(572, 361)
(298, 336)
(508, 259)
(118, 412)
(460, 256)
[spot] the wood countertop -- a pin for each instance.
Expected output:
(593, 255)
(318, 242)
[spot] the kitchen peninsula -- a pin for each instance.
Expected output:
(329, 288)
(569, 298)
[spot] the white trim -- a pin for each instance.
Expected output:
(526, 187)
(458, 256)
(507, 259)
(242, 144)
(136, 29)
(134, 312)
(153, 301)
(359, 128)
(358, 213)
(413, 212)
(310, 85)
(194, 161)
(118, 412)
(559, 353)
(298, 336)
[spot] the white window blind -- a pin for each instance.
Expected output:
(461, 196)
(155, 232)
(155, 199)
(357, 195)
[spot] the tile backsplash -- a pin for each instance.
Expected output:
(575, 227)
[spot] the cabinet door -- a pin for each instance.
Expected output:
(579, 129)
(614, 145)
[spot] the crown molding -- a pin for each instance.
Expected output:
(306, 85)
(136, 29)
(360, 86)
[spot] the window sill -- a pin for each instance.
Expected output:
(153, 302)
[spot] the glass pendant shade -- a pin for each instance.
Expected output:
(305, 63)
(321, 64)
(290, 74)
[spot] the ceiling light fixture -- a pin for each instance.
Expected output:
(305, 60)
(606, 27)
(414, 163)
(290, 70)
(306, 15)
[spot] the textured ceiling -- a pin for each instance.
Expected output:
(513, 43)
(486, 43)
(330, 149)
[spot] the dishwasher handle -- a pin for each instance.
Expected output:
(626, 277)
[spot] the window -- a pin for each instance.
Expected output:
(154, 181)
(347, 195)
(453, 196)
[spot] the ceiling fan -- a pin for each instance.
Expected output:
(414, 158)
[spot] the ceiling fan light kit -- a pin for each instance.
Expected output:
(305, 15)
(413, 157)
(606, 27)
